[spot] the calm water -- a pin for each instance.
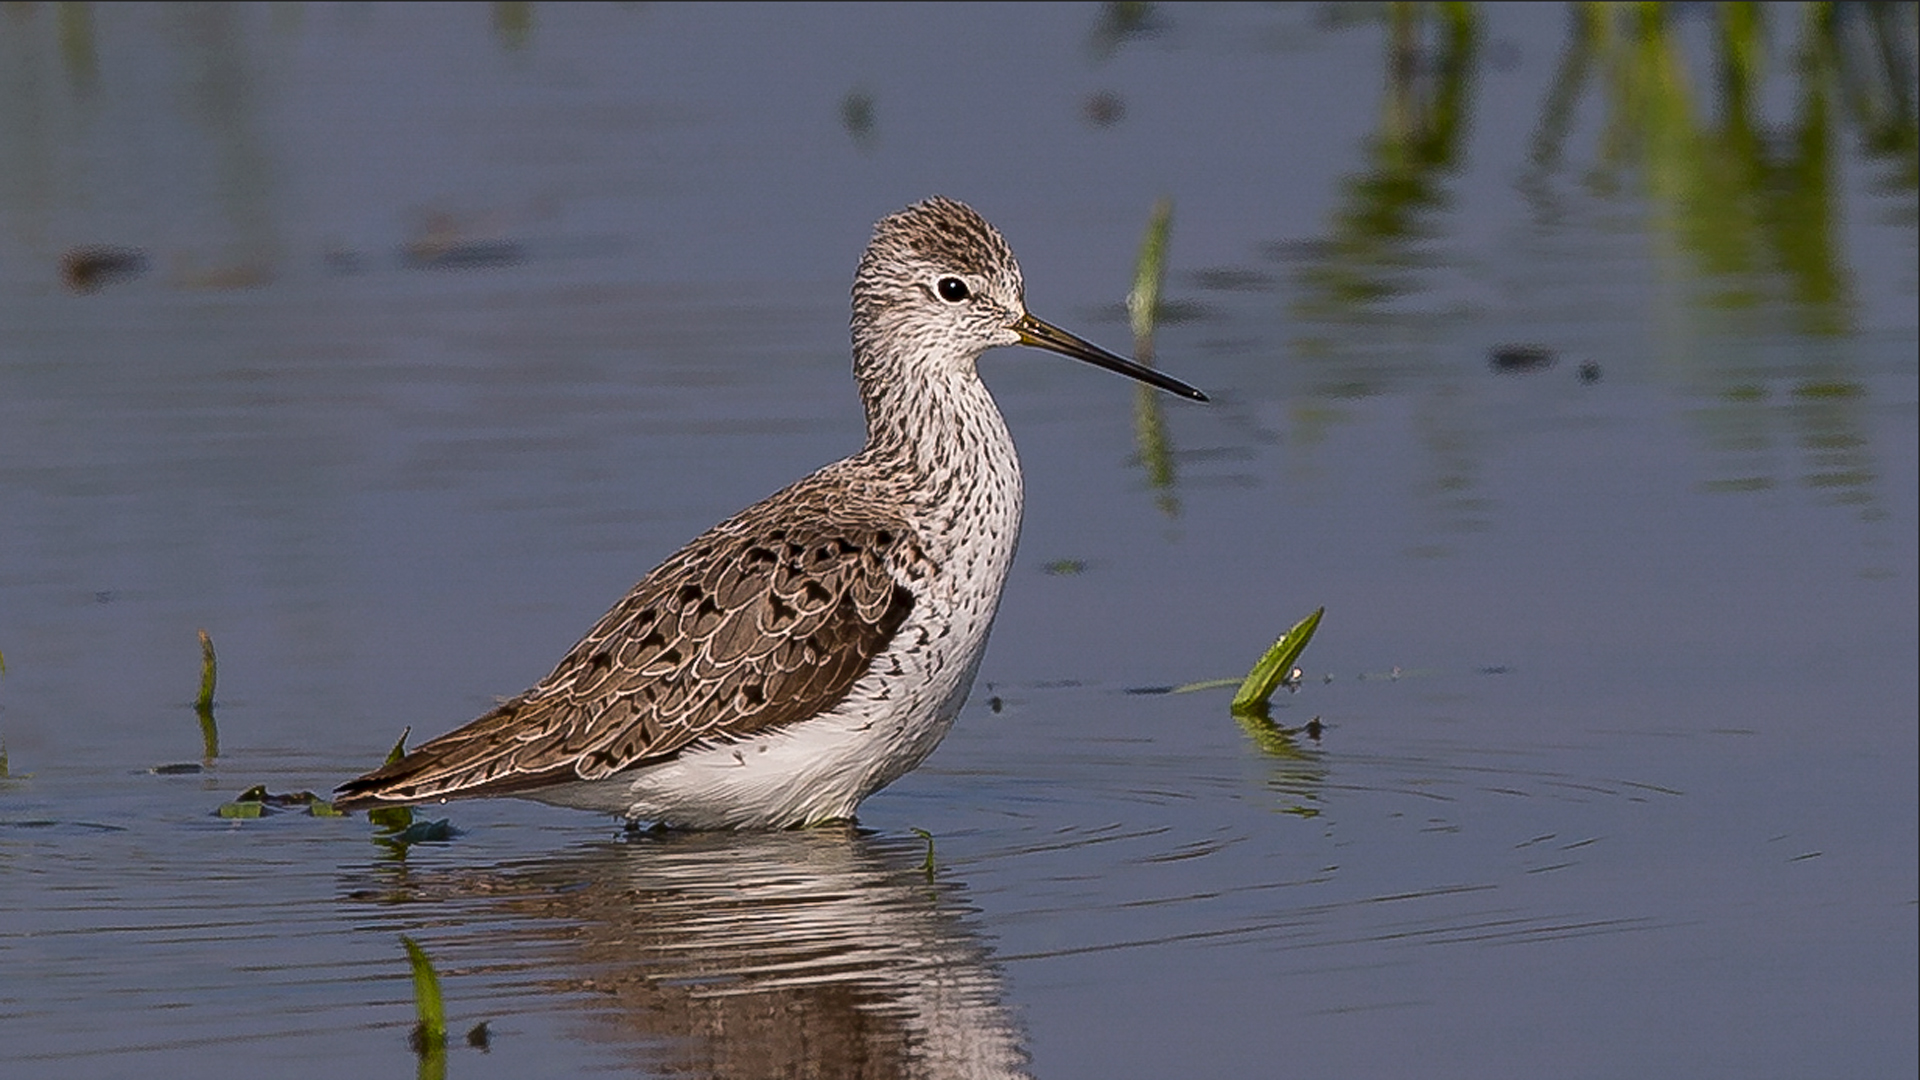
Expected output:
(420, 333)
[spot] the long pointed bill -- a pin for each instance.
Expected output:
(1042, 335)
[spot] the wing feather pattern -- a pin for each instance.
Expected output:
(765, 620)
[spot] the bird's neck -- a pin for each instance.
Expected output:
(941, 437)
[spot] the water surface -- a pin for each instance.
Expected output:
(442, 325)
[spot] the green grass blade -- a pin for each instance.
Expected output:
(399, 747)
(431, 1030)
(1204, 684)
(1273, 667)
(394, 819)
(208, 673)
(203, 704)
(927, 866)
(1143, 302)
(1143, 311)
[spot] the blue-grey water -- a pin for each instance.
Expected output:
(1571, 367)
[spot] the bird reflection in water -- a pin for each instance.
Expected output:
(823, 952)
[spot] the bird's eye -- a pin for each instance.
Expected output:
(952, 289)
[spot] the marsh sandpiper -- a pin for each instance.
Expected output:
(815, 647)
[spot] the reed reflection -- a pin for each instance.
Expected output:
(1751, 210)
(811, 953)
(1298, 767)
(1390, 209)
(1752, 206)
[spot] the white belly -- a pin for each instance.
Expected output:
(820, 769)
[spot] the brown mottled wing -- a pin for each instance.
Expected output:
(752, 626)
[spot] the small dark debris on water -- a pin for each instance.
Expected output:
(995, 704)
(49, 823)
(1589, 372)
(1519, 358)
(88, 269)
(177, 768)
(1103, 109)
(1314, 728)
(431, 254)
(1064, 568)
(1119, 23)
(479, 1037)
(1149, 690)
(448, 240)
(1495, 669)
(857, 116)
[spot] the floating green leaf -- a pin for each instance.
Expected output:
(430, 1031)
(257, 801)
(1273, 668)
